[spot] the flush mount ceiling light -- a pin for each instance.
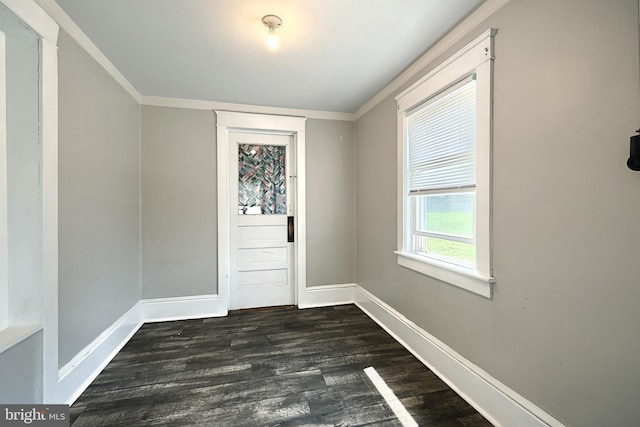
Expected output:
(272, 22)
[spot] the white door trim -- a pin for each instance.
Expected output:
(244, 122)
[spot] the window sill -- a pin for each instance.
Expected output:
(461, 277)
(15, 334)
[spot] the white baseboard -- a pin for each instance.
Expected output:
(323, 296)
(75, 376)
(196, 307)
(498, 403)
(79, 372)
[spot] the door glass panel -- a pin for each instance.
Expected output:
(261, 180)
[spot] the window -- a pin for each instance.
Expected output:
(444, 178)
(441, 166)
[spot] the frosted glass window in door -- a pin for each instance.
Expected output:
(261, 180)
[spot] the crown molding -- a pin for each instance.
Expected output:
(67, 24)
(483, 11)
(37, 19)
(194, 104)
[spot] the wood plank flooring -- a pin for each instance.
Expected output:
(283, 367)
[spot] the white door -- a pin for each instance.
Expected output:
(261, 268)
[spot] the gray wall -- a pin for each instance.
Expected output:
(99, 199)
(24, 154)
(330, 167)
(21, 365)
(21, 372)
(562, 326)
(179, 191)
(179, 238)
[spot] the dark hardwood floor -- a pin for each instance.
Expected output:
(283, 367)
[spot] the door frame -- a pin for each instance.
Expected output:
(228, 121)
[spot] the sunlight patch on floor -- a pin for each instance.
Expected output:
(396, 406)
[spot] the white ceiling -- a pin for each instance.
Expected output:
(334, 55)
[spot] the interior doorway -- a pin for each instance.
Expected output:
(261, 215)
(261, 203)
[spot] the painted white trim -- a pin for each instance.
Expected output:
(300, 257)
(232, 121)
(67, 24)
(195, 104)
(469, 280)
(485, 10)
(224, 221)
(60, 16)
(501, 405)
(49, 141)
(195, 307)
(235, 121)
(497, 402)
(4, 225)
(328, 295)
(140, 213)
(76, 375)
(480, 14)
(466, 60)
(475, 57)
(35, 17)
(16, 334)
(41, 23)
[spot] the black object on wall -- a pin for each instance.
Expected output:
(290, 231)
(634, 157)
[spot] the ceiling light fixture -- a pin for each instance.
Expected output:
(272, 22)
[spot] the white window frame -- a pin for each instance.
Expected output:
(475, 58)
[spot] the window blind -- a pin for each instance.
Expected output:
(441, 135)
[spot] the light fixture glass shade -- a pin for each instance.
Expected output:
(272, 22)
(272, 39)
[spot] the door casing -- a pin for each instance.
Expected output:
(270, 124)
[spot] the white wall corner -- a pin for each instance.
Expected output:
(498, 403)
(67, 24)
(35, 17)
(75, 376)
(328, 295)
(40, 22)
